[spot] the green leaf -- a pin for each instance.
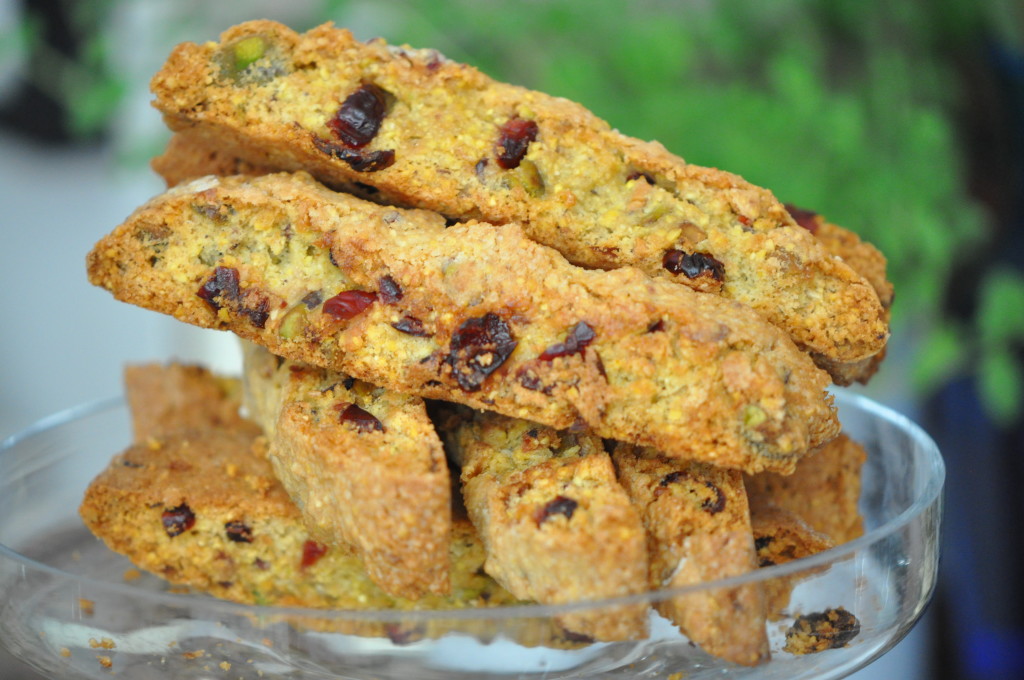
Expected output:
(942, 354)
(1002, 383)
(1001, 310)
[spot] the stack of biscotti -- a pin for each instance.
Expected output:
(390, 226)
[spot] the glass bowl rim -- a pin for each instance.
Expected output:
(929, 495)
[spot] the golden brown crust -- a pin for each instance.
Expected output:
(363, 464)
(824, 491)
(166, 398)
(469, 323)
(602, 199)
(556, 525)
(698, 530)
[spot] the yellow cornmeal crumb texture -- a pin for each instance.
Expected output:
(698, 530)
(601, 198)
(556, 524)
(712, 380)
(364, 464)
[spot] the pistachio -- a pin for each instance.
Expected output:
(248, 50)
(753, 416)
(293, 322)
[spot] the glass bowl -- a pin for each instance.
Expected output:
(71, 608)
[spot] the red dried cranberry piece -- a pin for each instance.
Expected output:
(238, 532)
(692, 266)
(718, 504)
(360, 161)
(808, 219)
(349, 304)
(311, 553)
(178, 520)
(515, 138)
(580, 335)
(359, 118)
(361, 419)
(222, 284)
(389, 290)
(656, 326)
(559, 505)
(478, 348)
(411, 326)
(257, 312)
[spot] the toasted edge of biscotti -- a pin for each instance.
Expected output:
(164, 398)
(363, 464)
(557, 526)
(698, 530)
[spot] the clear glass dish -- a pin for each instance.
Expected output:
(67, 609)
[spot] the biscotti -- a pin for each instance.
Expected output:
(397, 299)
(363, 464)
(698, 530)
(556, 525)
(163, 399)
(426, 132)
(824, 491)
(203, 508)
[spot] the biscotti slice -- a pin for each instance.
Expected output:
(363, 464)
(556, 525)
(698, 530)
(397, 299)
(203, 508)
(824, 491)
(779, 537)
(165, 398)
(430, 133)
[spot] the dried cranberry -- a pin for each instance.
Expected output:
(718, 504)
(360, 161)
(238, 532)
(808, 219)
(762, 542)
(580, 335)
(744, 220)
(672, 478)
(481, 169)
(692, 266)
(389, 290)
(348, 383)
(656, 326)
(359, 118)
(516, 136)
(222, 284)
(260, 564)
(529, 379)
(362, 420)
(559, 505)
(258, 311)
(349, 304)
(478, 348)
(311, 553)
(411, 326)
(178, 520)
